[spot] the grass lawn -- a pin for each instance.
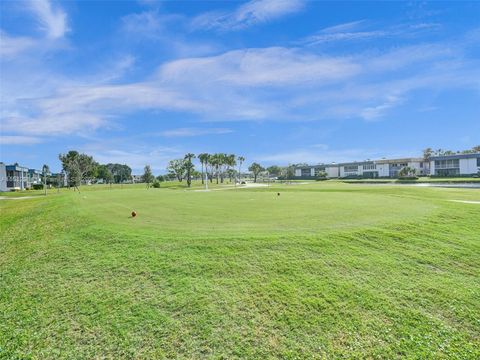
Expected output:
(325, 270)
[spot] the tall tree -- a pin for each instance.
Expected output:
(256, 169)
(230, 162)
(274, 170)
(177, 168)
(79, 167)
(215, 165)
(120, 172)
(427, 153)
(476, 149)
(104, 173)
(222, 162)
(45, 174)
(147, 175)
(240, 160)
(189, 167)
(203, 157)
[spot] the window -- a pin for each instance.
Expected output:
(447, 172)
(478, 162)
(369, 167)
(306, 172)
(447, 164)
(350, 168)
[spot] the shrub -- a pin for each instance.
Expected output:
(407, 178)
(156, 184)
(37, 186)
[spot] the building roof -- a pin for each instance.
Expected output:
(16, 167)
(310, 166)
(356, 163)
(402, 160)
(456, 156)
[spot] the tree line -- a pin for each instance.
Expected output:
(217, 167)
(81, 168)
(429, 152)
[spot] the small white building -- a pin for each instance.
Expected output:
(137, 179)
(455, 165)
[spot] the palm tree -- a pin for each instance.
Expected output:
(45, 172)
(240, 160)
(203, 157)
(222, 161)
(214, 161)
(256, 169)
(189, 167)
(231, 162)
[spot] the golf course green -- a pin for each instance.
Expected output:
(298, 271)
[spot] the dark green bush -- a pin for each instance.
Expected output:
(37, 186)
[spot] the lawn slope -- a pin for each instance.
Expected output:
(383, 272)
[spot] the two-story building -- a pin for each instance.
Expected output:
(455, 165)
(384, 168)
(17, 177)
(34, 177)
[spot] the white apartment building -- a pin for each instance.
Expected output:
(455, 165)
(385, 168)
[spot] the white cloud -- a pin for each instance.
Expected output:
(147, 23)
(325, 156)
(191, 132)
(273, 83)
(11, 46)
(251, 13)
(374, 112)
(345, 27)
(351, 32)
(19, 140)
(135, 155)
(260, 67)
(52, 19)
(344, 36)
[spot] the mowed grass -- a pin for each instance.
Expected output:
(324, 270)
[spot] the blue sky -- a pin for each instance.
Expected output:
(278, 81)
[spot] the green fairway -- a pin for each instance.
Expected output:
(325, 270)
(247, 212)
